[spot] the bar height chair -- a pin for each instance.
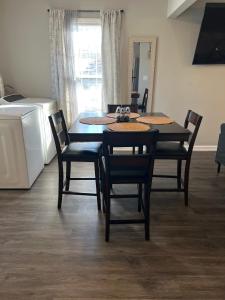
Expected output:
(69, 152)
(128, 169)
(176, 151)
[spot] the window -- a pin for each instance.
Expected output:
(88, 64)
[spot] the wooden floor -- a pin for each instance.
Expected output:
(45, 254)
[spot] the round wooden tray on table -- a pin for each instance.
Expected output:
(97, 120)
(155, 120)
(123, 127)
(130, 115)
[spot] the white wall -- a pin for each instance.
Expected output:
(179, 86)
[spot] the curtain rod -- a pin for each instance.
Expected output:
(94, 11)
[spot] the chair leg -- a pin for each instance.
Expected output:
(104, 196)
(139, 196)
(102, 184)
(147, 210)
(140, 150)
(111, 150)
(218, 167)
(179, 167)
(104, 202)
(60, 184)
(107, 214)
(133, 150)
(97, 179)
(186, 182)
(68, 171)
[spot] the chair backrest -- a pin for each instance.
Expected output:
(143, 161)
(59, 131)
(145, 101)
(112, 107)
(194, 119)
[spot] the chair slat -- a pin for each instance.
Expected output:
(62, 137)
(194, 119)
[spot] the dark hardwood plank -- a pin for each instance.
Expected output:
(49, 255)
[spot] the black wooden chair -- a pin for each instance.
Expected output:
(177, 151)
(73, 152)
(143, 106)
(128, 169)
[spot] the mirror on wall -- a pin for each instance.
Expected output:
(142, 51)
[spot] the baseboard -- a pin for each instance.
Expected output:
(205, 148)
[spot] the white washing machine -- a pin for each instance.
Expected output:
(48, 107)
(20, 146)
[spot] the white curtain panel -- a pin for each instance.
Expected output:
(111, 21)
(61, 26)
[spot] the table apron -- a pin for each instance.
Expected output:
(86, 137)
(89, 137)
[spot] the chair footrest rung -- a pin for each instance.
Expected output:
(131, 221)
(124, 196)
(86, 178)
(167, 190)
(77, 193)
(165, 176)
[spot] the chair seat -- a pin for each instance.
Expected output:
(82, 151)
(170, 149)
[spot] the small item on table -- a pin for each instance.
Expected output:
(124, 115)
(121, 114)
(123, 118)
(123, 111)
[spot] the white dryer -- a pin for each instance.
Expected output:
(20, 146)
(48, 107)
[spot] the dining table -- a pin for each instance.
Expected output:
(80, 132)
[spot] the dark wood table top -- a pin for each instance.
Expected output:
(83, 132)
